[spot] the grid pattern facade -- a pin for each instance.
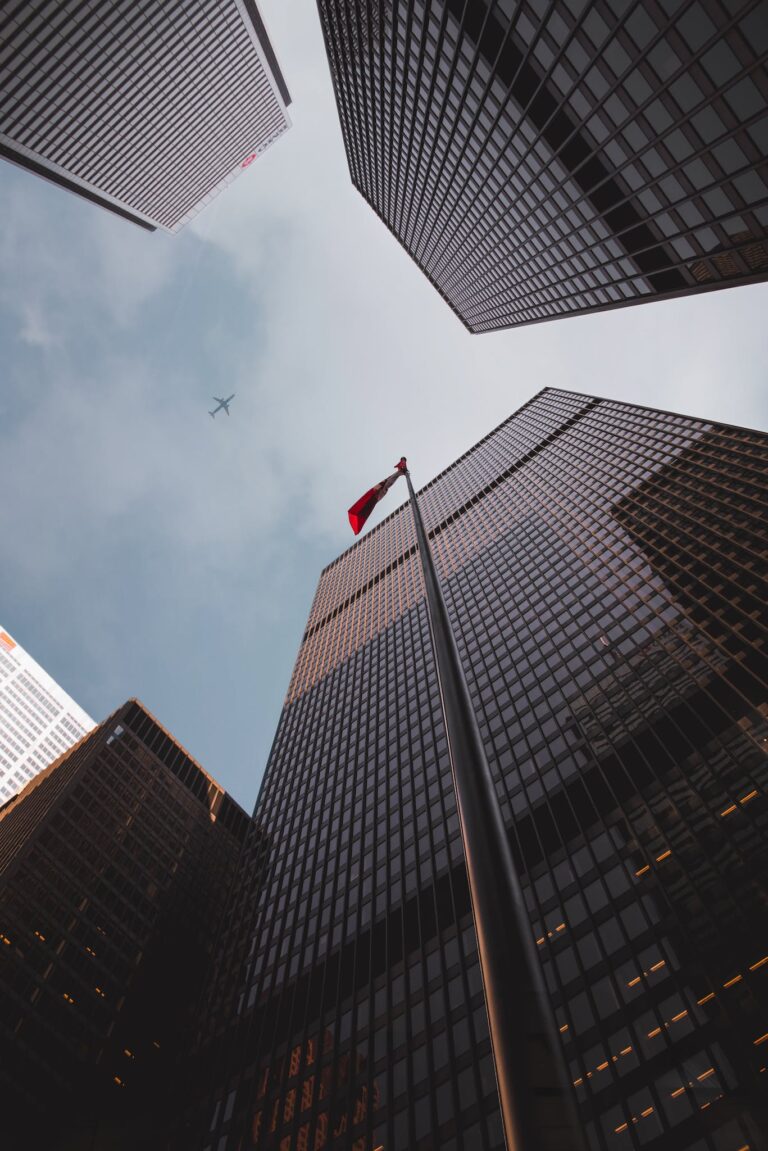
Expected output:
(149, 109)
(604, 567)
(113, 866)
(38, 720)
(548, 157)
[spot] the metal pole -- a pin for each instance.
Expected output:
(536, 1107)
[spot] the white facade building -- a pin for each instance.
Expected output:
(38, 720)
(150, 110)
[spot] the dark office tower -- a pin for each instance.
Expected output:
(114, 864)
(147, 109)
(540, 159)
(605, 570)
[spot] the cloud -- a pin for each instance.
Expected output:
(33, 330)
(72, 267)
(158, 552)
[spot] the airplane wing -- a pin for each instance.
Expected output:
(219, 400)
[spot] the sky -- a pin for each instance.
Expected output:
(150, 551)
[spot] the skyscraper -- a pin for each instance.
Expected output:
(604, 568)
(538, 160)
(38, 720)
(149, 111)
(115, 863)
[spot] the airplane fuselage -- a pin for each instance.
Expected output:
(221, 404)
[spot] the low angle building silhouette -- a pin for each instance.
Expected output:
(541, 160)
(115, 863)
(505, 883)
(604, 570)
(148, 111)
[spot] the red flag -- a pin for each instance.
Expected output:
(360, 511)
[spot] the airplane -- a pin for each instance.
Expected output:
(222, 404)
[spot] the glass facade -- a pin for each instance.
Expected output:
(604, 567)
(114, 863)
(147, 109)
(548, 157)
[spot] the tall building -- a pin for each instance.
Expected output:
(605, 570)
(544, 159)
(114, 866)
(148, 110)
(38, 720)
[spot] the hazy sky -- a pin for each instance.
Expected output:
(148, 550)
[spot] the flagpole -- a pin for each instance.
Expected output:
(536, 1107)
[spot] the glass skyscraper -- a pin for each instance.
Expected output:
(549, 157)
(115, 863)
(604, 566)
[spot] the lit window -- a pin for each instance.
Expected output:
(551, 934)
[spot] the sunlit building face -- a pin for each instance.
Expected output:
(604, 569)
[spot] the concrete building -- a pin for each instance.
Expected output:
(38, 720)
(148, 110)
